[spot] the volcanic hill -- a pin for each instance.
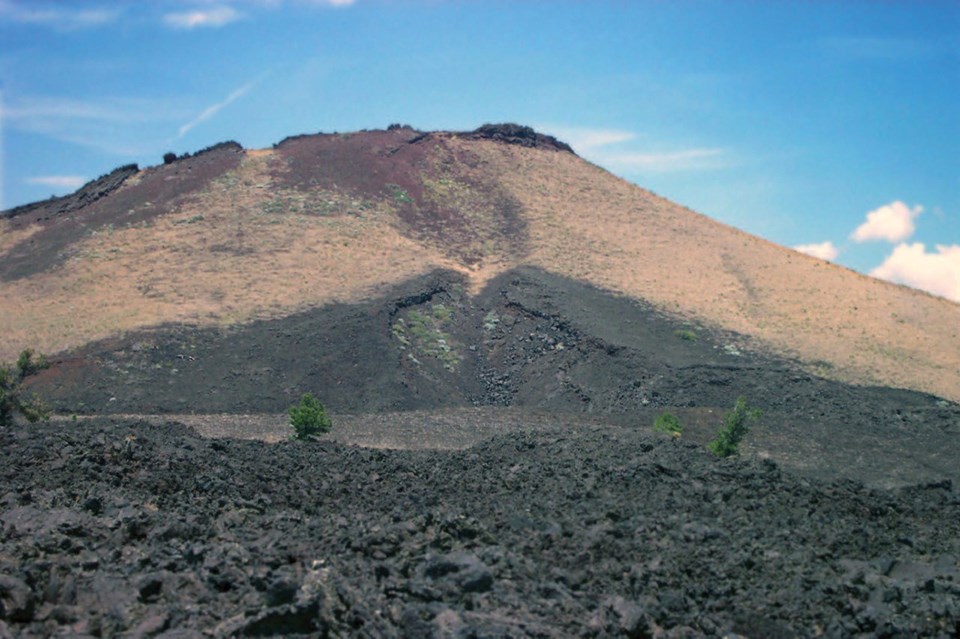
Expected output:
(495, 323)
(226, 236)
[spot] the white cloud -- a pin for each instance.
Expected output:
(892, 222)
(584, 140)
(276, 3)
(328, 3)
(55, 16)
(594, 144)
(824, 250)
(214, 17)
(72, 182)
(937, 273)
(213, 109)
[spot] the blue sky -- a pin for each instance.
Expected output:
(829, 125)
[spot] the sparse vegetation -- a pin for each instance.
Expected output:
(399, 332)
(441, 313)
(399, 193)
(309, 418)
(30, 362)
(736, 424)
(668, 423)
(12, 401)
(490, 321)
(425, 333)
(190, 220)
(686, 334)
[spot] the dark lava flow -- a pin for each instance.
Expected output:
(531, 341)
(123, 529)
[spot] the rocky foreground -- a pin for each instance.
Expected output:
(124, 529)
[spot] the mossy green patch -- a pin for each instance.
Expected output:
(424, 334)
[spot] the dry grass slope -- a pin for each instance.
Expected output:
(338, 218)
(240, 250)
(590, 225)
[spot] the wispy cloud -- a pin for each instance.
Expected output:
(213, 109)
(683, 160)
(213, 14)
(71, 182)
(104, 123)
(886, 48)
(937, 273)
(824, 250)
(584, 140)
(36, 108)
(270, 3)
(319, 3)
(892, 222)
(617, 149)
(56, 16)
(213, 17)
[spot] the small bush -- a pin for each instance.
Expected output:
(30, 362)
(169, 158)
(686, 334)
(308, 418)
(735, 427)
(12, 401)
(668, 423)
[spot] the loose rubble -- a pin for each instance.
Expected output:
(111, 528)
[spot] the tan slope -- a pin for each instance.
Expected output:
(336, 218)
(590, 225)
(228, 255)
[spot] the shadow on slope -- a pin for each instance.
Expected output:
(530, 340)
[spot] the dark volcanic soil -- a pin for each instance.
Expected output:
(531, 341)
(113, 529)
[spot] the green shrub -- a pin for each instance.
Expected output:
(12, 401)
(441, 313)
(30, 362)
(735, 427)
(686, 334)
(668, 423)
(308, 418)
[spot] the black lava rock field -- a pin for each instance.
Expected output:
(114, 528)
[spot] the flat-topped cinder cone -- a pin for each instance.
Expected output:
(228, 235)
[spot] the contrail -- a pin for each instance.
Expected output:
(212, 110)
